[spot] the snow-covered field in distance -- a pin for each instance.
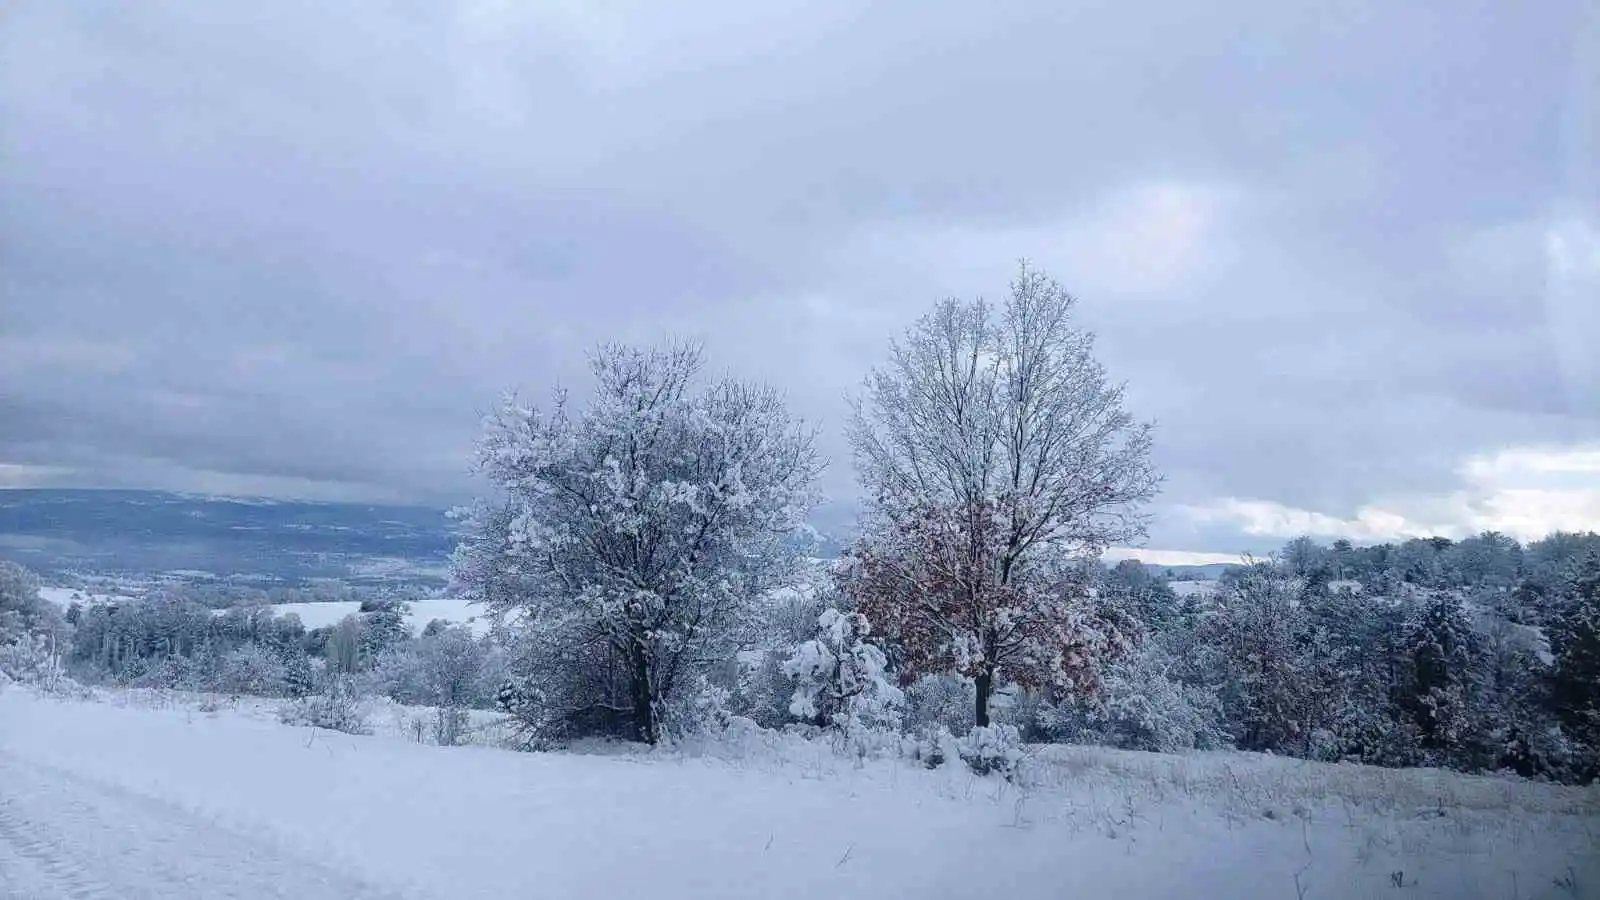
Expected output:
(65, 596)
(455, 610)
(230, 803)
(315, 615)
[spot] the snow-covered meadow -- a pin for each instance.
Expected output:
(455, 610)
(747, 814)
(66, 596)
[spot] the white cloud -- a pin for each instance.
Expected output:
(1526, 492)
(1172, 557)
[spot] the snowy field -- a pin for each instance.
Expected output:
(129, 797)
(451, 609)
(65, 596)
(316, 615)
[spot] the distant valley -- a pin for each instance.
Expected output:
(194, 538)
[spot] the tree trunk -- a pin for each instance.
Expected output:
(644, 707)
(985, 686)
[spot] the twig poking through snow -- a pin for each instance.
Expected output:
(846, 857)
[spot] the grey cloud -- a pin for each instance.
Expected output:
(307, 247)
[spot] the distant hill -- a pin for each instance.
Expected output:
(144, 533)
(199, 538)
(1209, 572)
(189, 537)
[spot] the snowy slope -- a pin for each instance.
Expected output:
(317, 814)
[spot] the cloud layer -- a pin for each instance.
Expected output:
(1338, 254)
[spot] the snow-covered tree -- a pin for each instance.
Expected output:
(1575, 682)
(383, 625)
(1256, 628)
(991, 448)
(841, 680)
(343, 649)
(443, 667)
(1442, 693)
(637, 531)
(1144, 704)
(252, 669)
(22, 610)
(932, 582)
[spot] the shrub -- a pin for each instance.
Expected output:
(340, 707)
(253, 670)
(992, 748)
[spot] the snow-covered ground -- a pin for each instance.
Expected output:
(451, 609)
(316, 615)
(115, 799)
(1193, 588)
(65, 596)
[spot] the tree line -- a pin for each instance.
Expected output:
(642, 554)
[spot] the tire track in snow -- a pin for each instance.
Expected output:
(31, 865)
(65, 837)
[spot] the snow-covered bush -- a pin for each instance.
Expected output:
(252, 670)
(699, 708)
(442, 668)
(340, 707)
(564, 683)
(940, 701)
(932, 746)
(31, 659)
(841, 679)
(992, 748)
(167, 673)
(1142, 705)
(762, 691)
(300, 675)
(449, 725)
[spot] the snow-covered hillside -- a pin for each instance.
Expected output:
(98, 799)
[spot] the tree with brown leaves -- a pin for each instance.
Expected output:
(994, 453)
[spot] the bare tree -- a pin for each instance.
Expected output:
(992, 448)
(640, 528)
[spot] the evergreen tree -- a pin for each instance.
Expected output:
(1445, 655)
(1575, 682)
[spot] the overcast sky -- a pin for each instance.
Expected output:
(1347, 258)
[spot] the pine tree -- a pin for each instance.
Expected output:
(1441, 695)
(1575, 681)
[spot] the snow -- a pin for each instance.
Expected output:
(451, 609)
(65, 596)
(101, 799)
(316, 615)
(1193, 588)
